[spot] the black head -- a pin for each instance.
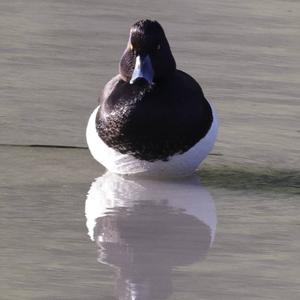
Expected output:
(148, 54)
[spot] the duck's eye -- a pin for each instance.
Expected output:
(158, 47)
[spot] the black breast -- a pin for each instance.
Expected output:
(154, 123)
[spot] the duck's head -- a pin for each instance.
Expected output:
(148, 56)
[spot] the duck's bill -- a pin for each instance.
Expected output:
(142, 69)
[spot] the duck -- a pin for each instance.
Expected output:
(152, 119)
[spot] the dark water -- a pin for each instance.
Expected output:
(65, 235)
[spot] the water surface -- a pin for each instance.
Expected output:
(70, 232)
(56, 57)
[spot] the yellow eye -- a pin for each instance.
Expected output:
(130, 47)
(158, 47)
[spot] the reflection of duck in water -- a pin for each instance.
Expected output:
(146, 227)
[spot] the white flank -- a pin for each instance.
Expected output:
(178, 165)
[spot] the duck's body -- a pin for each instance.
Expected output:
(152, 119)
